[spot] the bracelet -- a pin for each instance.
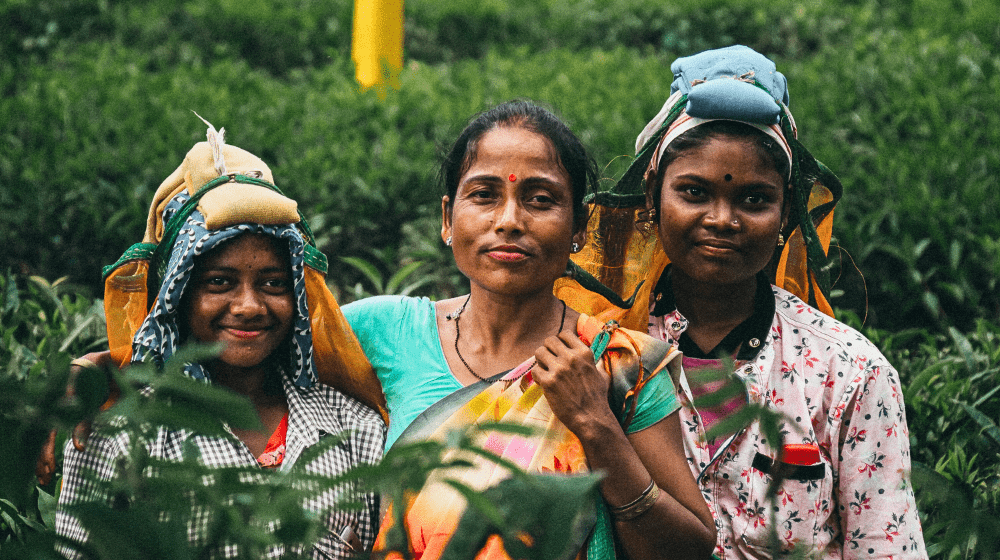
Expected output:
(638, 506)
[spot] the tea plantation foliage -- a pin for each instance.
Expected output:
(899, 98)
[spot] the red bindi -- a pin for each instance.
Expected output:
(512, 178)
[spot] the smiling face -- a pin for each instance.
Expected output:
(721, 208)
(511, 222)
(241, 294)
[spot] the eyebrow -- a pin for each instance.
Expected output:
(702, 180)
(233, 269)
(489, 178)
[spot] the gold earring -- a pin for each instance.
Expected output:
(781, 240)
(645, 221)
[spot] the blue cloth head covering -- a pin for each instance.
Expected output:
(159, 335)
(736, 98)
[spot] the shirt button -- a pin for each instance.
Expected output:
(676, 325)
(754, 343)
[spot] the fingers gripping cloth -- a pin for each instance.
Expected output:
(217, 192)
(623, 252)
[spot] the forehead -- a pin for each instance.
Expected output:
(247, 250)
(721, 155)
(506, 149)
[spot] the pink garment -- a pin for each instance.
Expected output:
(841, 395)
(700, 374)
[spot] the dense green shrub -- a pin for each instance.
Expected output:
(97, 101)
(951, 386)
(909, 123)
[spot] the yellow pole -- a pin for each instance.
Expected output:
(377, 43)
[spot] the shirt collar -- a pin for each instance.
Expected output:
(748, 336)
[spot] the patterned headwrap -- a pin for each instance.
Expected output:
(159, 335)
(737, 84)
(218, 192)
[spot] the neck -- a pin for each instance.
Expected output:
(253, 383)
(497, 332)
(713, 305)
(498, 320)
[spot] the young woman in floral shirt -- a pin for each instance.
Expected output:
(722, 193)
(726, 184)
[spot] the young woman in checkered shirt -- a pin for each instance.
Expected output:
(237, 273)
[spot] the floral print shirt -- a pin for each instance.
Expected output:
(841, 395)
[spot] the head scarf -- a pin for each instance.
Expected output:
(734, 83)
(218, 192)
(160, 333)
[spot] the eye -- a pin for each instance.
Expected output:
(215, 281)
(480, 194)
(542, 199)
(277, 284)
(694, 191)
(758, 200)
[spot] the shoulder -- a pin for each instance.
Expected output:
(797, 320)
(381, 316)
(327, 410)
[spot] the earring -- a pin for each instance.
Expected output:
(645, 221)
(781, 240)
(448, 241)
(576, 247)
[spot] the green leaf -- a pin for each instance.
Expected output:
(397, 279)
(987, 425)
(368, 269)
(72, 336)
(963, 346)
(477, 501)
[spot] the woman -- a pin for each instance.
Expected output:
(515, 181)
(237, 267)
(738, 205)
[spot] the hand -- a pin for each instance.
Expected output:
(576, 390)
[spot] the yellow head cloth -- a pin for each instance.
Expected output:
(228, 204)
(338, 357)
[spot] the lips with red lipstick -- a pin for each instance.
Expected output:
(507, 253)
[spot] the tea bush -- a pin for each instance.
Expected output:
(97, 98)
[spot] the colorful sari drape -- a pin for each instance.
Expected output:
(434, 513)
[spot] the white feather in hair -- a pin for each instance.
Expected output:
(216, 140)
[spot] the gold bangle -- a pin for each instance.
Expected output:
(639, 506)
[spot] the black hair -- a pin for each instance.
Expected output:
(700, 135)
(573, 156)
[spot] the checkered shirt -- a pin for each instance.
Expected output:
(313, 412)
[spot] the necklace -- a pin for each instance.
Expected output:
(457, 314)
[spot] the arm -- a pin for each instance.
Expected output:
(46, 465)
(679, 525)
(878, 510)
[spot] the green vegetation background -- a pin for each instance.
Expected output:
(899, 98)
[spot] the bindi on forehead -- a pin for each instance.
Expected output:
(728, 177)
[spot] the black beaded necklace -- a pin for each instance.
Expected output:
(457, 314)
